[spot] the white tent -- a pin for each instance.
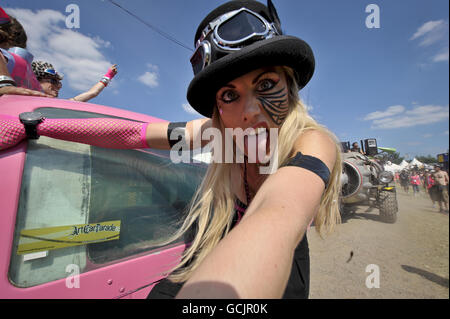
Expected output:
(391, 167)
(403, 164)
(415, 162)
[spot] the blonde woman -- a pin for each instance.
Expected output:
(250, 238)
(249, 223)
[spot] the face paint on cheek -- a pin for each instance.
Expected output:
(275, 104)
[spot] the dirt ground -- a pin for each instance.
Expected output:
(412, 254)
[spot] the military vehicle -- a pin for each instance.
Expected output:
(366, 183)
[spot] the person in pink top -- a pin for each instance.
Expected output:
(16, 74)
(415, 182)
(430, 185)
(397, 177)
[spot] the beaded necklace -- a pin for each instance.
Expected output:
(247, 189)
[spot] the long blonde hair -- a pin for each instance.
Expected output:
(212, 207)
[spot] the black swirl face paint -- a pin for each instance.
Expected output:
(275, 104)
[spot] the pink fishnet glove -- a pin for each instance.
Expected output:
(102, 132)
(111, 72)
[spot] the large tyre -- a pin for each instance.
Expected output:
(387, 203)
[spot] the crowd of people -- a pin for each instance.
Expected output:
(433, 182)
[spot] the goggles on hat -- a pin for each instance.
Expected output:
(230, 32)
(51, 72)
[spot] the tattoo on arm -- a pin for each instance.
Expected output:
(275, 104)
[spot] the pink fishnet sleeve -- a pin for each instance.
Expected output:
(11, 131)
(103, 132)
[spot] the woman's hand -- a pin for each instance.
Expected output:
(112, 71)
(114, 68)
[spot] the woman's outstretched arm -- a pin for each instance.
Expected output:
(98, 87)
(254, 260)
(102, 132)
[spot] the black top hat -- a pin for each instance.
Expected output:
(279, 50)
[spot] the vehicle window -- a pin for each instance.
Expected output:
(67, 184)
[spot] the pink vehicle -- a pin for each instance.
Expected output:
(48, 186)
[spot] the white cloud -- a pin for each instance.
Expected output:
(419, 115)
(189, 109)
(431, 32)
(73, 54)
(435, 34)
(390, 111)
(441, 57)
(150, 79)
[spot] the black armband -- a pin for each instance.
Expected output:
(312, 164)
(179, 132)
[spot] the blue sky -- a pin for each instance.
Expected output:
(390, 83)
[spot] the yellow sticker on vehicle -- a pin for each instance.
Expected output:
(42, 239)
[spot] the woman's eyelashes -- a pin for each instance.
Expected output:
(264, 85)
(229, 96)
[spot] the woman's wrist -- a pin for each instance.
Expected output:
(108, 76)
(6, 80)
(105, 81)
